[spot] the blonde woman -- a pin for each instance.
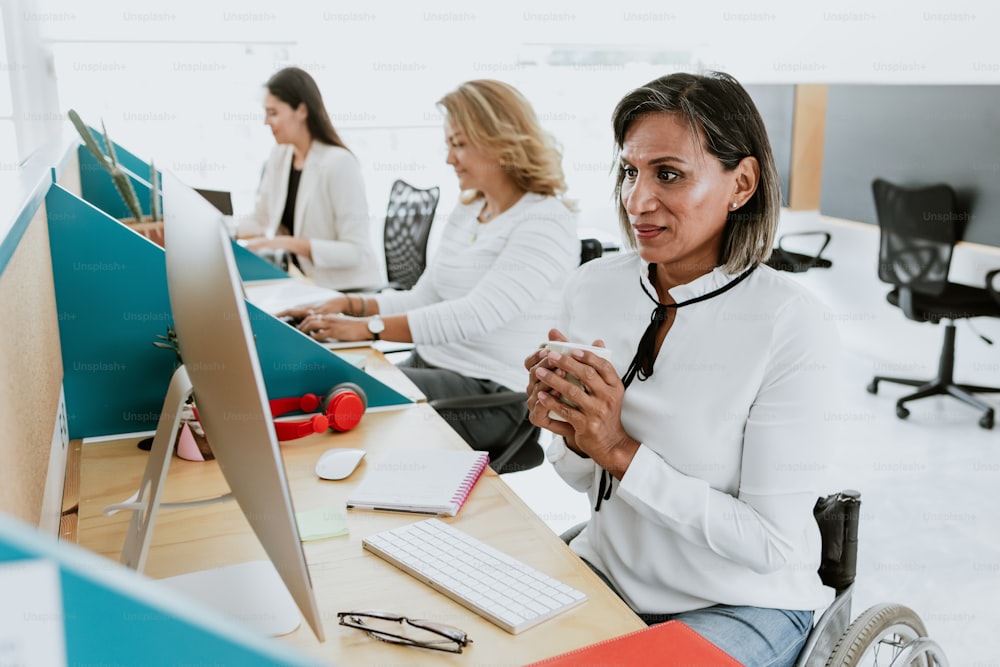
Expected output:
(491, 290)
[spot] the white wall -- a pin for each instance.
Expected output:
(181, 83)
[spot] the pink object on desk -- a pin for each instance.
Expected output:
(187, 448)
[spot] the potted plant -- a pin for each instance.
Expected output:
(149, 226)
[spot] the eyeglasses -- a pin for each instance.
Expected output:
(452, 639)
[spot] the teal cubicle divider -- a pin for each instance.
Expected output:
(114, 616)
(97, 187)
(252, 267)
(112, 302)
(126, 158)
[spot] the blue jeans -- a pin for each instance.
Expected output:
(755, 636)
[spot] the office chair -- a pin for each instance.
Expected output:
(521, 451)
(783, 259)
(919, 229)
(408, 219)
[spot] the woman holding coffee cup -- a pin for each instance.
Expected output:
(492, 287)
(698, 443)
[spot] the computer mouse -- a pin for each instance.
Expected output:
(338, 463)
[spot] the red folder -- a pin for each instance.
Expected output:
(664, 645)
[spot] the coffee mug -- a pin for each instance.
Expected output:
(563, 347)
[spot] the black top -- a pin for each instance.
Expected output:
(287, 226)
(288, 216)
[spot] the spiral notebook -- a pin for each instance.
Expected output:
(425, 481)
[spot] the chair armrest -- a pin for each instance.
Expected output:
(479, 401)
(523, 435)
(375, 289)
(825, 235)
(993, 290)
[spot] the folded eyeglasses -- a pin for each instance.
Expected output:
(450, 639)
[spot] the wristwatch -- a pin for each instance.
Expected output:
(376, 326)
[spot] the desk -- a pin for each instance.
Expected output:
(344, 576)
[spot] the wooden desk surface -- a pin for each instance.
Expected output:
(345, 577)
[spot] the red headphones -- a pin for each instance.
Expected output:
(341, 410)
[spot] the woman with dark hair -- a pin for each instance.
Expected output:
(700, 443)
(311, 200)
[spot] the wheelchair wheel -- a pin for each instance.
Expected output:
(877, 637)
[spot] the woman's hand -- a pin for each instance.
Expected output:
(293, 244)
(334, 306)
(536, 415)
(596, 421)
(321, 326)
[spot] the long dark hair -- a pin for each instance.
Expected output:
(293, 86)
(720, 110)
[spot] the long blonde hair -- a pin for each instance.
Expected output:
(497, 119)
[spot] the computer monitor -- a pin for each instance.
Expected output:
(222, 371)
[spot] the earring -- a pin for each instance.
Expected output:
(735, 205)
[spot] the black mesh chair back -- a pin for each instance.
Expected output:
(408, 221)
(919, 229)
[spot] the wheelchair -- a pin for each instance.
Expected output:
(885, 635)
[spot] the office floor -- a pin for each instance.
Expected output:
(930, 517)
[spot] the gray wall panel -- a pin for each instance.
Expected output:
(776, 104)
(914, 135)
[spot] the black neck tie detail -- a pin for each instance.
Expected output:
(645, 355)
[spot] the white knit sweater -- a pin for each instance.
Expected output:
(490, 294)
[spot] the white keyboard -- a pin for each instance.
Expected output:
(489, 582)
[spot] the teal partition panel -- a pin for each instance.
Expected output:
(126, 158)
(112, 301)
(114, 616)
(97, 188)
(253, 267)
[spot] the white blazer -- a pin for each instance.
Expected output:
(331, 210)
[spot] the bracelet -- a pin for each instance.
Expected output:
(350, 307)
(364, 306)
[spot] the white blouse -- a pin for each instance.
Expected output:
(330, 210)
(734, 426)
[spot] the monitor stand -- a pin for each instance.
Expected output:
(252, 593)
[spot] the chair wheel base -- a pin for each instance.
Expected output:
(986, 421)
(902, 412)
(873, 387)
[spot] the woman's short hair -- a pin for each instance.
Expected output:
(498, 120)
(293, 86)
(720, 111)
